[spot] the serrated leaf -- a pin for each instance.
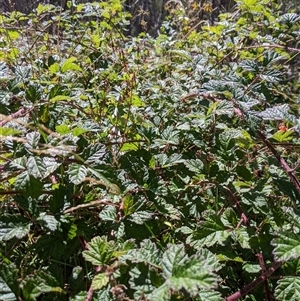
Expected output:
(22, 180)
(113, 188)
(109, 213)
(35, 285)
(280, 112)
(209, 233)
(99, 251)
(287, 246)
(9, 284)
(77, 173)
(36, 167)
(162, 293)
(192, 276)
(288, 288)
(147, 253)
(242, 237)
(100, 281)
(139, 217)
(13, 226)
(32, 140)
(172, 258)
(194, 165)
(77, 131)
(6, 293)
(49, 221)
(129, 146)
(204, 295)
(94, 153)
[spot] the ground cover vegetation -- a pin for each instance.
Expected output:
(149, 168)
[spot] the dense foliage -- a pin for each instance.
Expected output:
(149, 169)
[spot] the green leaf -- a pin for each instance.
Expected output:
(204, 295)
(280, 112)
(287, 246)
(189, 273)
(281, 136)
(9, 284)
(32, 141)
(69, 65)
(162, 293)
(194, 165)
(6, 293)
(35, 285)
(6, 131)
(13, 226)
(94, 154)
(100, 281)
(62, 129)
(77, 131)
(58, 98)
(288, 288)
(139, 217)
(244, 173)
(49, 221)
(36, 167)
(192, 276)
(99, 251)
(113, 188)
(77, 173)
(172, 258)
(129, 146)
(210, 232)
(148, 253)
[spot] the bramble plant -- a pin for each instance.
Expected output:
(149, 168)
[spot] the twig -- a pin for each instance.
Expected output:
(281, 161)
(90, 204)
(263, 269)
(239, 208)
(249, 287)
(90, 292)
(6, 119)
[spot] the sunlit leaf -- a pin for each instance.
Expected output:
(99, 251)
(287, 246)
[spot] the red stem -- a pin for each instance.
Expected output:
(281, 161)
(239, 208)
(12, 116)
(249, 287)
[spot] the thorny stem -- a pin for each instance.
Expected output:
(281, 161)
(249, 287)
(263, 269)
(239, 208)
